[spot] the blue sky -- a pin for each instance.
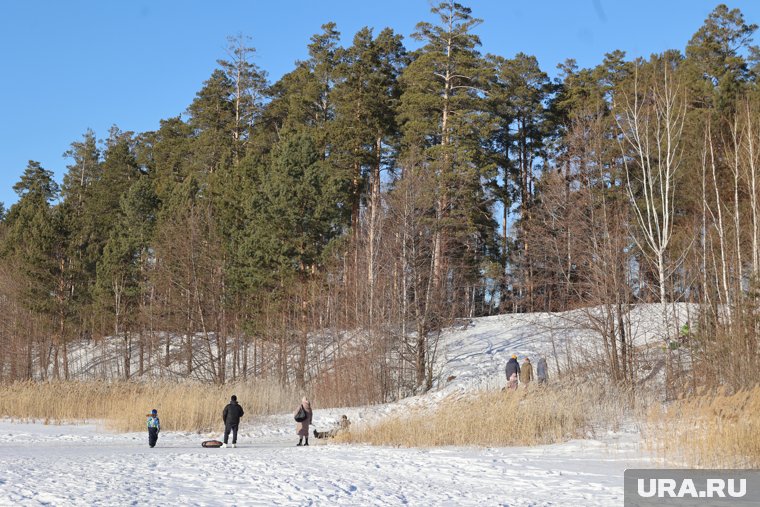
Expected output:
(66, 66)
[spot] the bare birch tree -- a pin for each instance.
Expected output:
(651, 122)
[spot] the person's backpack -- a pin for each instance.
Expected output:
(301, 415)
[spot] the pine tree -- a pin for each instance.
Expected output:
(365, 101)
(250, 86)
(440, 114)
(122, 269)
(296, 214)
(301, 99)
(85, 170)
(715, 57)
(38, 240)
(518, 100)
(169, 156)
(80, 193)
(212, 118)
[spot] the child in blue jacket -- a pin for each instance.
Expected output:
(154, 427)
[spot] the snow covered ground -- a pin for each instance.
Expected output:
(84, 465)
(80, 465)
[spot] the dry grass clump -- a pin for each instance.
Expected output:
(502, 418)
(124, 405)
(710, 430)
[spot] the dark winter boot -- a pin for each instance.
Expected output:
(152, 436)
(299, 444)
(307, 441)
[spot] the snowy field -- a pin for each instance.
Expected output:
(80, 465)
(85, 465)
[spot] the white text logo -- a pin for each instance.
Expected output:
(714, 488)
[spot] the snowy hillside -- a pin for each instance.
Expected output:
(83, 465)
(476, 352)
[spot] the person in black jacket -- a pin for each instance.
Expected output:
(513, 372)
(231, 417)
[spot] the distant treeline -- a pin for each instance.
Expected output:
(375, 194)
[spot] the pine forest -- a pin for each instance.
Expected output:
(323, 230)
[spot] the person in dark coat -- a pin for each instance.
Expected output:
(302, 427)
(542, 371)
(513, 372)
(154, 427)
(231, 417)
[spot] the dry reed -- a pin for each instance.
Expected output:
(709, 430)
(525, 417)
(122, 406)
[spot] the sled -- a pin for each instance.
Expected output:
(211, 443)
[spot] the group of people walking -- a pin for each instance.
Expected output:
(523, 374)
(233, 412)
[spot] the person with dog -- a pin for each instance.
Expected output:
(513, 371)
(303, 416)
(231, 417)
(154, 428)
(339, 427)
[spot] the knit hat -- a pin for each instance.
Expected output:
(514, 356)
(154, 412)
(233, 398)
